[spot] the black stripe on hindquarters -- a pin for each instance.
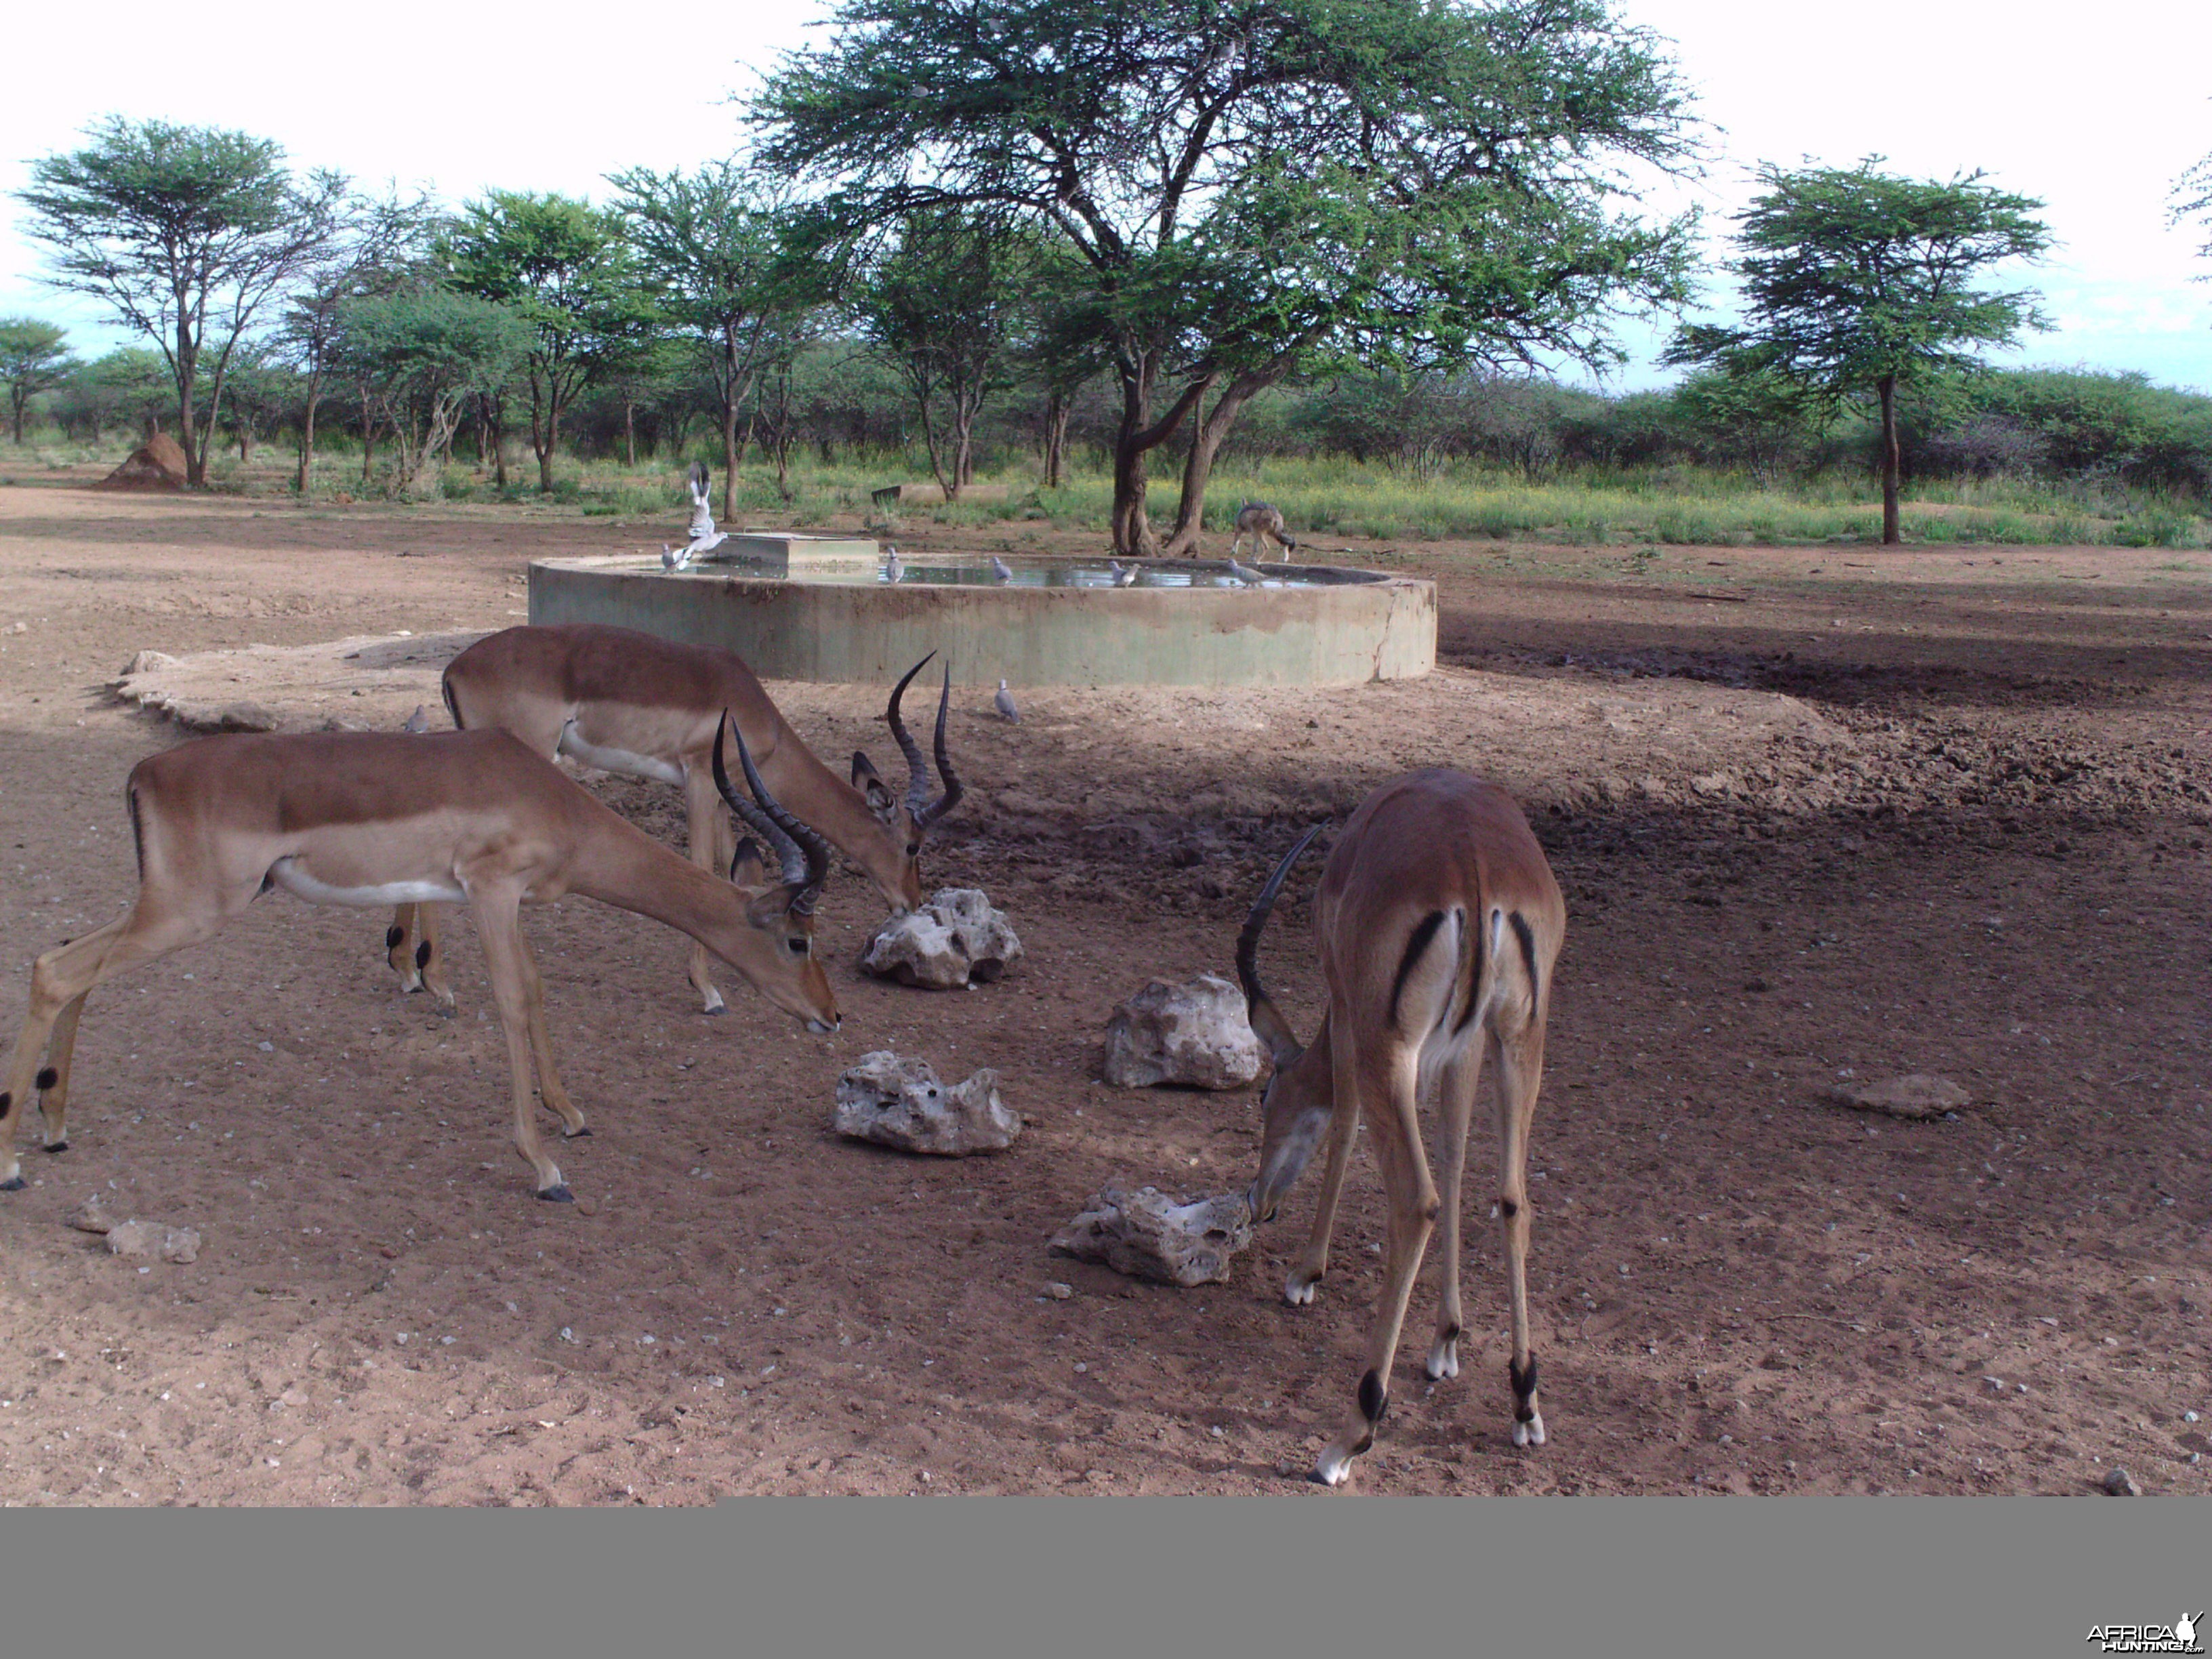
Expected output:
(1424, 933)
(137, 833)
(1525, 1390)
(1474, 971)
(1520, 932)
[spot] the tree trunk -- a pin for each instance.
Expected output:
(1133, 531)
(308, 435)
(1055, 438)
(1891, 459)
(17, 397)
(187, 366)
(730, 402)
(1205, 442)
(949, 486)
(629, 432)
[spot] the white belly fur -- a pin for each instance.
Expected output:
(288, 875)
(617, 760)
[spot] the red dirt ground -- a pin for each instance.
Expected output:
(1818, 813)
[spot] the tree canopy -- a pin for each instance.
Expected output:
(563, 266)
(185, 233)
(1855, 281)
(1266, 185)
(35, 357)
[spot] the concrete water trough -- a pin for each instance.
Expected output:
(1051, 621)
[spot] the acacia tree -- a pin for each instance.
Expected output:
(375, 245)
(563, 266)
(715, 244)
(419, 358)
(1260, 186)
(185, 233)
(35, 357)
(944, 304)
(1855, 281)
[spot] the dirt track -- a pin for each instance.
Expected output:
(1817, 812)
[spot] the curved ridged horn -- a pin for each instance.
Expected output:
(1268, 1024)
(923, 811)
(802, 852)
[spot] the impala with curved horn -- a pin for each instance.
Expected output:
(370, 818)
(1437, 922)
(633, 703)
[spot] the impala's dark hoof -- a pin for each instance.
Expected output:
(14, 1186)
(709, 1013)
(558, 1196)
(54, 1146)
(575, 1135)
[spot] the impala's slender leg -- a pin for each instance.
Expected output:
(53, 1081)
(710, 844)
(62, 978)
(550, 1088)
(1392, 1079)
(1455, 1099)
(499, 925)
(1343, 1128)
(399, 946)
(431, 957)
(1521, 1073)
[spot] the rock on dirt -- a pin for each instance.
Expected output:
(1915, 1096)
(136, 1237)
(900, 1102)
(955, 939)
(2120, 1484)
(1194, 1034)
(1146, 1235)
(89, 1217)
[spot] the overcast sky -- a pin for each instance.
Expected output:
(2096, 110)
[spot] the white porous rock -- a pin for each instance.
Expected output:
(1146, 1235)
(136, 1237)
(955, 939)
(1194, 1034)
(1917, 1096)
(900, 1102)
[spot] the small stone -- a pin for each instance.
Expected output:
(148, 662)
(180, 1244)
(1915, 1096)
(2120, 1484)
(134, 1238)
(902, 1102)
(1194, 1034)
(89, 1217)
(955, 940)
(587, 1206)
(1060, 1292)
(2188, 1417)
(1146, 1235)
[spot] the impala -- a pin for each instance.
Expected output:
(629, 702)
(1438, 922)
(370, 819)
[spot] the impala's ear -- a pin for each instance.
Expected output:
(881, 801)
(749, 867)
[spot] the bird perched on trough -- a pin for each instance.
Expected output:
(1245, 574)
(1126, 575)
(894, 567)
(419, 720)
(673, 558)
(1005, 703)
(1000, 569)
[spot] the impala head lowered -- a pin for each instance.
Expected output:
(775, 950)
(909, 825)
(1295, 1106)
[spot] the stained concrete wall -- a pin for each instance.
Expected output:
(1346, 633)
